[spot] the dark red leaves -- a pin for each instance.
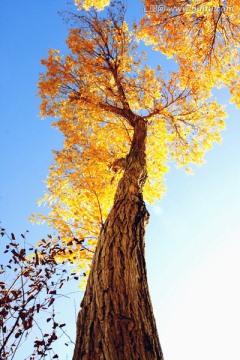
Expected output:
(51, 302)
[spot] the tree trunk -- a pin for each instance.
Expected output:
(116, 321)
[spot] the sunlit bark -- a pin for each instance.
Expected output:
(116, 320)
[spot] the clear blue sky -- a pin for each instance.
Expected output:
(193, 239)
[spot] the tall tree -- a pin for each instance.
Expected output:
(122, 122)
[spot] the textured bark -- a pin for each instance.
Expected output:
(116, 321)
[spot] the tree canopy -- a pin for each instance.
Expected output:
(202, 36)
(98, 90)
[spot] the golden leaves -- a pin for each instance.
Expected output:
(202, 37)
(97, 92)
(87, 4)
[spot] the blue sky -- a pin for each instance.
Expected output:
(192, 242)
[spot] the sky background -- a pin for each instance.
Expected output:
(192, 242)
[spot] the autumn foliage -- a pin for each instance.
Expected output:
(123, 123)
(106, 99)
(87, 4)
(93, 90)
(202, 37)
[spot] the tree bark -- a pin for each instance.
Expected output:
(116, 321)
